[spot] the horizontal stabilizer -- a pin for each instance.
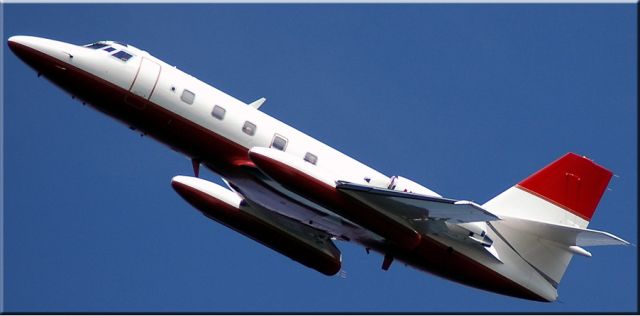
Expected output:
(564, 235)
(412, 206)
(545, 216)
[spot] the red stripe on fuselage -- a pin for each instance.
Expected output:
(444, 261)
(220, 153)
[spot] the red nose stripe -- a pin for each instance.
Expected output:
(574, 183)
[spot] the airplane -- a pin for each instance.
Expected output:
(298, 196)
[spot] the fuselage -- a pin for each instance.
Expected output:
(218, 130)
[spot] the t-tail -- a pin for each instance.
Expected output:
(545, 216)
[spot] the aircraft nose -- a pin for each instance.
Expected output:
(17, 39)
(43, 55)
(27, 48)
(17, 44)
(13, 42)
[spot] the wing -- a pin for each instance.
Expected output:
(414, 207)
(399, 217)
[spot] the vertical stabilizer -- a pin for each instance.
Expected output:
(573, 183)
(564, 193)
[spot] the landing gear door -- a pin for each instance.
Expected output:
(144, 83)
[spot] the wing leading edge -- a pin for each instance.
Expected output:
(415, 207)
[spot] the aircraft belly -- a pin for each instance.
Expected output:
(466, 264)
(442, 256)
(448, 258)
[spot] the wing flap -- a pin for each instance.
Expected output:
(416, 207)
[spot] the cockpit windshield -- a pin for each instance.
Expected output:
(97, 45)
(116, 49)
(122, 55)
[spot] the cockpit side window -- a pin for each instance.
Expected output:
(109, 49)
(96, 45)
(122, 55)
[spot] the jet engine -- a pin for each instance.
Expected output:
(307, 245)
(405, 185)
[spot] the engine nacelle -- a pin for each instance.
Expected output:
(297, 241)
(405, 185)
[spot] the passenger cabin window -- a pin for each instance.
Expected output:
(309, 157)
(279, 142)
(96, 45)
(122, 55)
(187, 96)
(218, 112)
(109, 49)
(249, 128)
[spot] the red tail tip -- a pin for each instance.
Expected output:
(573, 182)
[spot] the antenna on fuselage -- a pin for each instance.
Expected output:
(195, 163)
(257, 103)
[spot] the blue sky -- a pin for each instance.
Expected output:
(465, 99)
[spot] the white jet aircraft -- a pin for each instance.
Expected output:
(297, 195)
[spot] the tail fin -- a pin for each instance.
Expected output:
(546, 215)
(565, 192)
